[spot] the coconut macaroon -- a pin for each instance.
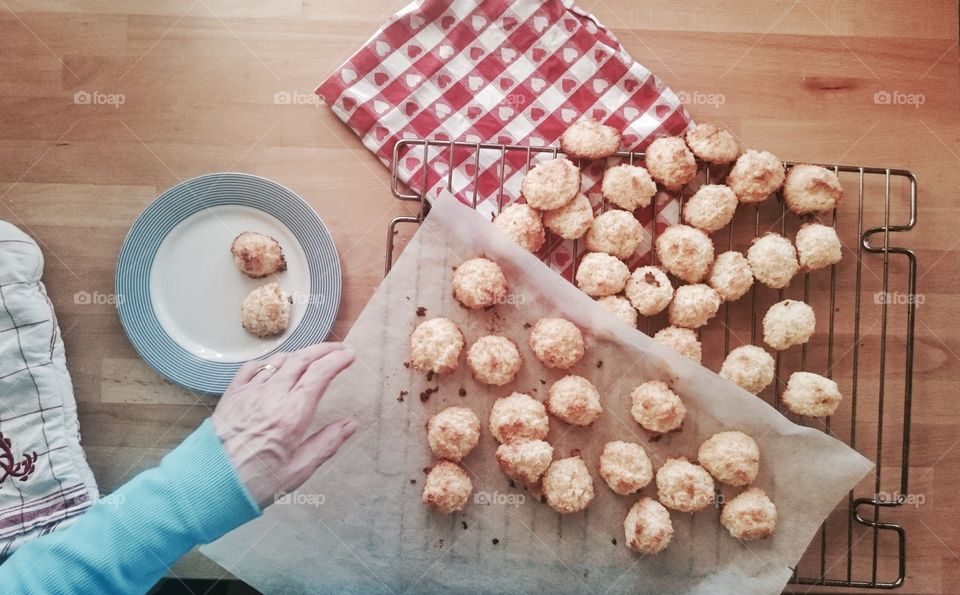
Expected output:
(773, 260)
(588, 139)
(750, 515)
(693, 305)
(524, 460)
(620, 307)
(453, 433)
(811, 189)
(616, 232)
(479, 283)
(731, 276)
(494, 360)
(567, 485)
(811, 394)
(710, 208)
(749, 367)
(788, 323)
(518, 416)
(435, 346)
(551, 184)
(684, 486)
(575, 400)
(731, 457)
(755, 176)
(629, 187)
(600, 274)
(625, 467)
(670, 162)
(657, 408)
(572, 220)
(523, 225)
(266, 311)
(556, 342)
(649, 290)
(818, 246)
(713, 144)
(257, 255)
(647, 528)
(686, 252)
(681, 340)
(447, 488)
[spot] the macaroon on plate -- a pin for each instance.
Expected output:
(180, 293)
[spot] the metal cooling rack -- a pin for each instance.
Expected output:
(855, 547)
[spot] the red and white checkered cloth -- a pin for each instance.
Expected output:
(497, 71)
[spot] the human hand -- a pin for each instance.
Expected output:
(264, 417)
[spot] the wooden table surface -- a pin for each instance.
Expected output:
(198, 77)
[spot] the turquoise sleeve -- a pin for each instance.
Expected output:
(127, 541)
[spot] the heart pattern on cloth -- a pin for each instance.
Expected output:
(513, 72)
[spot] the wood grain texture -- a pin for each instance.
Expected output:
(198, 78)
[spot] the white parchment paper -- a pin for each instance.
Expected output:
(358, 524)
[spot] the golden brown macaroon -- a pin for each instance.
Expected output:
(731, 457)
(811, 394)
(479, 283)
(773, 260)
(620, 307)
(686, 252)
(257, 255)
(551, 184)
(518, 416)
(588, 139)
(755, 176)
(572, 220)
(749, 367)
(818, 246)
(494, 360)
(811, 189)
(575, 400)
(453, 433)
(266, 311)
(629, 187)
(750, 515)
(681, 340)
(524, 460)
(648, 528)
(625, 467)
(731, 276)
(670, 162)
(657, 408)
(567, 485)
(616, 232)
(693, 306)
(649, 290)
(557, 343)
(435, 346)
(710, 208)
(523, 225)
(447, 488)
(788, 323)
(713, 144)
(684, 486)
(600, 274)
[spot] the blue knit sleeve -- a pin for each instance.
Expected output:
(126, 542)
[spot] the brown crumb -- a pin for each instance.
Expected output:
(424, 397)
(527, 325)
(403, 393)
(495, 541)
(614, 541)
(575, 452)
(542, 381)
(406, 365)
(430, 376)
(462, 392)
(599, 363)
(413, 481)
(465, 526)
(426, 470)
(655, 438)
(512, 485)
(421, 311)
